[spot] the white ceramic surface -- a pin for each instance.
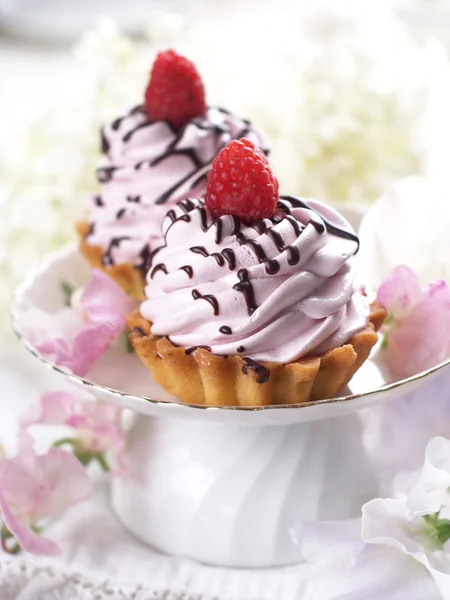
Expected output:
(225, 486)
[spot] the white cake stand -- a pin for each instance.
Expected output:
(225, 486)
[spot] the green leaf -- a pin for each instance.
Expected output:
(64, 441)
(67, 290)
(129, 344)
(438, 529)
(102, 462)
(9, 542)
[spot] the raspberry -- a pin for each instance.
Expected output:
(175, 92)
(241, 183)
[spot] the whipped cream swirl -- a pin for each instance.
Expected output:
(150, 166)
(276, 290)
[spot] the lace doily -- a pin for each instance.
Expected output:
(20, 580)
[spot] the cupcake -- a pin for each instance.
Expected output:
(252, 298)
(155, 155)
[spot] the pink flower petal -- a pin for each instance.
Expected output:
(105, 302)
(81, 353)
(37, 488)
(419, 329)
(27, 538)
(53, 408)
(98, 423)
(75, 339)
(421, 340)
(64, 482)
(400, 291)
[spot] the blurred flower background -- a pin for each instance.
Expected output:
(347, 96)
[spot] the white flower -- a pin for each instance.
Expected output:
(408, 225)
(417, 525)
(344, 567)
(399, 550)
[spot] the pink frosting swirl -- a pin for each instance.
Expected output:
(150, 166)
(277, 290)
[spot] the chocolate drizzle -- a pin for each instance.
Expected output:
(219, 228)
(120, 213)
(203, 219)
(145, 256)
(262, 372)
(259, 225)
(297, 203)
(203, 177)
(209, 298)
(245, 287)
(241, 348)
(319, 227)
(186, 205)
(199, 250)
(116, 124)
(153, 253)
(225, 330)
(197, 174)
(104, 143)
(276, 238)
(105, 174)
(293, 255)
(229, 256)
(98, 200)
(236, 225)
(172, 215)
(107, 259)
(194, 348)
(187, 269)
(159, 267)
(257, 248)
(295, 224)
(272, 266)
(219, 258)
(126, 138)
(135, 199)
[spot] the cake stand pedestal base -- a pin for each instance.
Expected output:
(236, 495)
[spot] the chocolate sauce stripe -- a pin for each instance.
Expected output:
(246, 288)
(189, 152)
(199, 179)
(262, 372)
(297, 203)
(210, 298)
(126, 138)
(105, 145)
(107, 259)
(159, 267)
(164, 197)
(188, 270)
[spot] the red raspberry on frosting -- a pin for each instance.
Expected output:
(241, 183)
(175, 92)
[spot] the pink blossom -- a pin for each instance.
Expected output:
(417, 330)
(34, 489)
(97, 423)
(78, 335)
